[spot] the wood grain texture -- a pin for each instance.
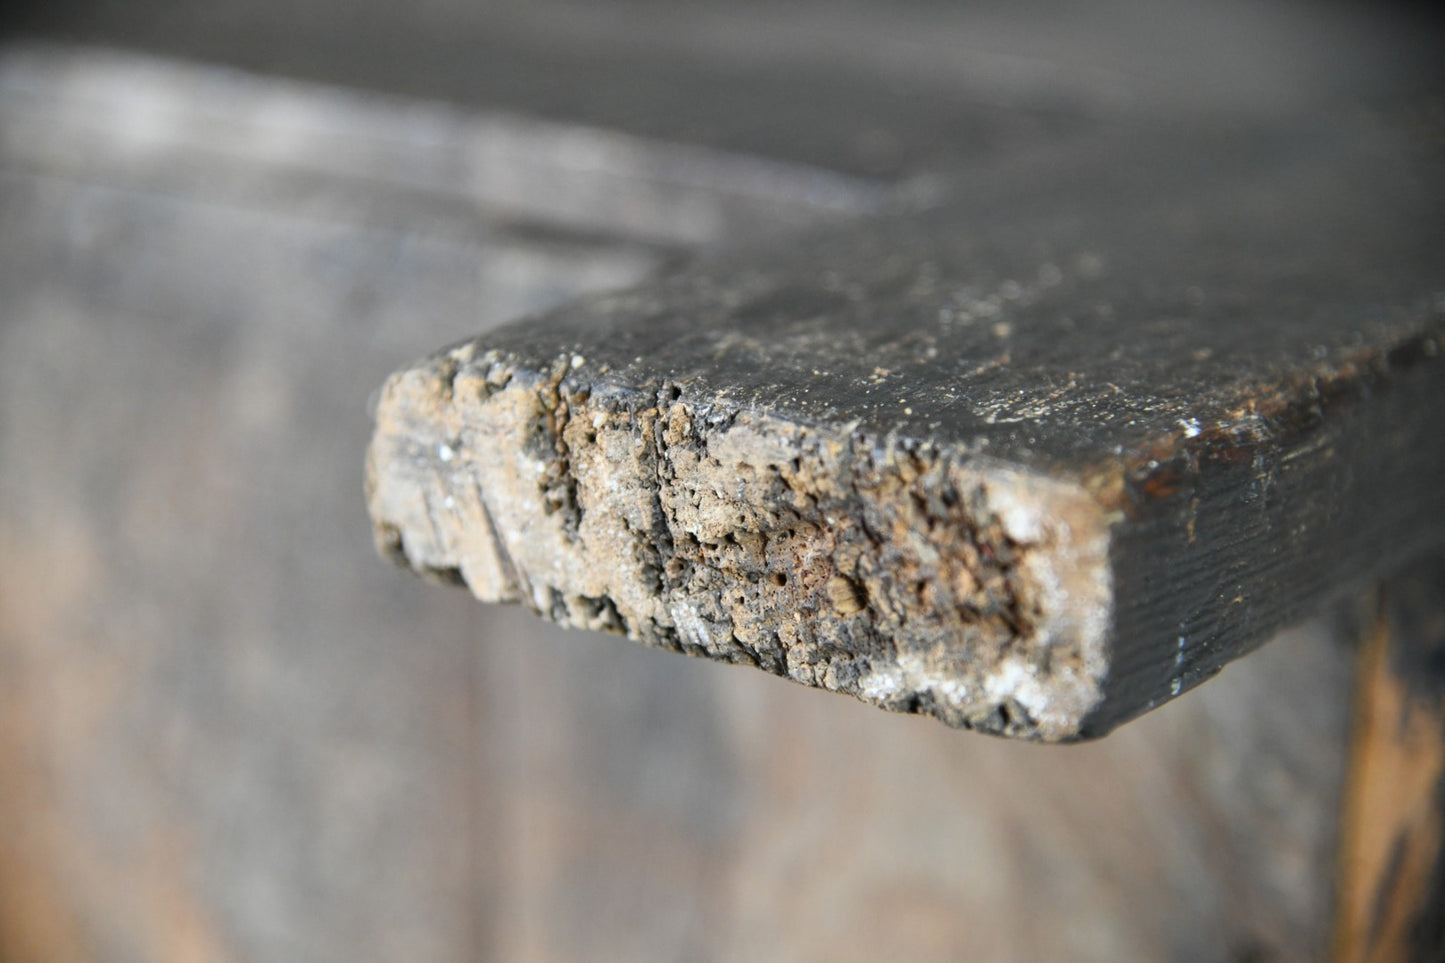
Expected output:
(228, 733)
(1065, 444)
(1392, 869)
(215, 741)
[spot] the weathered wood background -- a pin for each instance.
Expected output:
(229, 732)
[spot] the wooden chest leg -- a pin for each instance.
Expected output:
(1392, 870)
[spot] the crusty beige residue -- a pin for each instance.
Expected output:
(914, 579)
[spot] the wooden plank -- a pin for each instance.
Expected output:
(1392, 866)
(226, 732)
(1033, 461)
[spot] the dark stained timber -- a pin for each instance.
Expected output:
(1032, 459)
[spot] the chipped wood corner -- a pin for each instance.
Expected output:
(871, 460)
(891, 570)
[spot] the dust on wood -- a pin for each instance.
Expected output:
(897, 573)
(1033, 461)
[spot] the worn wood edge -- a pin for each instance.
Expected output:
(897, 572)
(1325, 483)
(1227, 509)
(1179, 562)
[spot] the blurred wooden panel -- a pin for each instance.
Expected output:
(1392, 866)
(693, 812)
(230, 733)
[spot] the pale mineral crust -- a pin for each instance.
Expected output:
(893, 571)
